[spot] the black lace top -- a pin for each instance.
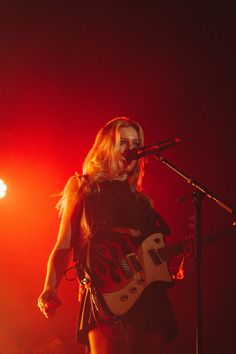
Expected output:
(109, 205)
(112, 204)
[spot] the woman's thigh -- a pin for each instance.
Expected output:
(118, 339)
(112, 339)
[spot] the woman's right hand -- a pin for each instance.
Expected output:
(48, 302)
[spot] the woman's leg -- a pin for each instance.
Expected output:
(111, 339)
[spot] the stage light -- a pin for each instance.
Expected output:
(3, 189)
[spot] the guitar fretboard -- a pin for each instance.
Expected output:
(171, 251)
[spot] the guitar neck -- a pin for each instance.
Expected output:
(170, 251)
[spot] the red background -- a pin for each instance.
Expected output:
(67, 68)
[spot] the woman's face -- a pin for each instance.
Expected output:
(129, 139)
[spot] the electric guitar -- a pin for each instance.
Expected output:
(123, 268)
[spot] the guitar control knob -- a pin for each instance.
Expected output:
(140, 281)
(124, 298)
(133, 290)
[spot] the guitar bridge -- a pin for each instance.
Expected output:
(125, 268)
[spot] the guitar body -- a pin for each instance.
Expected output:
(122, 269)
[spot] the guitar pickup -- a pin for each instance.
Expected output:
(154, 256)
(135, 262)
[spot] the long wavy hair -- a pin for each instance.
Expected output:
(103, 162)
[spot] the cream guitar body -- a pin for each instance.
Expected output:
(122, 269)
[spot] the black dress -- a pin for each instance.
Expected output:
(109, 205)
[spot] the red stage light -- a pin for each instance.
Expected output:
(3, 189)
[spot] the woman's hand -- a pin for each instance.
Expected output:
(48, 302)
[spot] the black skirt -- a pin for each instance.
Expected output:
(151, 313)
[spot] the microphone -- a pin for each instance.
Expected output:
(137, 153)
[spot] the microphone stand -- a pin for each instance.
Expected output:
(197, 196)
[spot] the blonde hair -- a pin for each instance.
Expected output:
(103, 162)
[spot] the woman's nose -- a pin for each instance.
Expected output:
(128, 146)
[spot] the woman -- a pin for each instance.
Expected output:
(104, 212)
